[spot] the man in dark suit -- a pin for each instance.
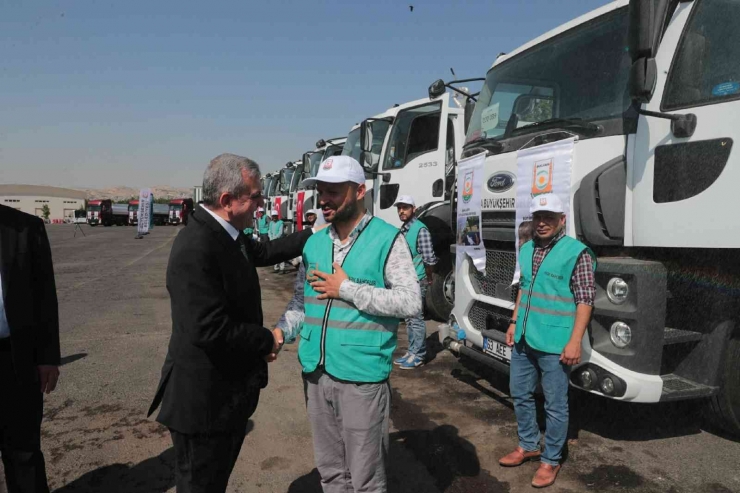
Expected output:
(29, 346)
(216, 361)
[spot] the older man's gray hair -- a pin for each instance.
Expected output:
(224, 175)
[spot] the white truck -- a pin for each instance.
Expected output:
(412, 149)
(651, 89)
(308, 167)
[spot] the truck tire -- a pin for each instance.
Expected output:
(439, 305)
(723, 409)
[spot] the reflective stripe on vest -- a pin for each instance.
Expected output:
(351, 345)
(547, 308)
(412, 237)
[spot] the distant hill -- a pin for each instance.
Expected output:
(125, 193)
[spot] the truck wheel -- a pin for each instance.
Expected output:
(440, 295)
(723, 410)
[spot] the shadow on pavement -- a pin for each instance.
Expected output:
(445, 456)
(153, 475)
(71, 358)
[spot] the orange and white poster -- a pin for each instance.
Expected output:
(542, 169)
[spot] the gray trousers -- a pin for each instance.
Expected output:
(350, 432)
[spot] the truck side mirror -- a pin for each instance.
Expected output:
(647, 19)
(469, 109)
(306, 160)
(643, 77)
(366, 144)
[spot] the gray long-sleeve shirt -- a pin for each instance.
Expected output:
(400, 298)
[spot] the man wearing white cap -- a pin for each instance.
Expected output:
(422, 252)
(276, 229)
(348, 321)
(552, 311)
(263, 225)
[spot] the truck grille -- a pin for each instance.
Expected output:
(488, 317)
(500, 266)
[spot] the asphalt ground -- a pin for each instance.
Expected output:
(451, 419)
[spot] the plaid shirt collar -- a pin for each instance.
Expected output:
(358, 229)
(407, 225)
(552, 242)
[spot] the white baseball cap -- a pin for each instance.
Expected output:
(405, 199)
(260, 209)
(315, 212)
(548, 202)
(273, 212)
(338, 169)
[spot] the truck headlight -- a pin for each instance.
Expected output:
(620, 334)
(617, 290)
(607, 385)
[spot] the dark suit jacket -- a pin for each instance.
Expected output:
(215, 361)
(29, 293)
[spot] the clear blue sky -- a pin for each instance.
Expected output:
(141, 93)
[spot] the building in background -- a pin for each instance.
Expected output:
(62, 202)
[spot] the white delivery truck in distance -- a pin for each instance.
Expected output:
(651, 91)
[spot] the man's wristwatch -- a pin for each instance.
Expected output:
(512, 321)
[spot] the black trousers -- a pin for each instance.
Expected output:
(21, 410)
(264, 238)
(204, 461)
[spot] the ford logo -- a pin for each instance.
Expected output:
(500, 182)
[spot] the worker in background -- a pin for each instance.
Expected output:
(263, 225)
(361, 281)
(422, 252)
(249, 230)
(309, 222)
(550, 317)
(276, 230)
(311, 216)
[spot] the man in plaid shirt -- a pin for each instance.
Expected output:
(420, 242)
(552, 311)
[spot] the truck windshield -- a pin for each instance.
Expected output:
(581, 74)
(352, 145)
(93, 208)
(174, 207)
(285, 177)
(132, 207)
(315, 161)
(297, 177)
(268, 190)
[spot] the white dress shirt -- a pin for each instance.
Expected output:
(233, 232)
(4, 327)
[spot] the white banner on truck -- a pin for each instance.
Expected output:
(145, 211)
(541, 169)
(469, 232)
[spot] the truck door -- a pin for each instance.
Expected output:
(414, 157)
(683, 188)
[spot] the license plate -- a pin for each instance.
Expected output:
(497, 349)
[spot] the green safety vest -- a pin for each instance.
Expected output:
(350, 345)
(412, 235)
(262, 225)
(276, 229)
(547, 310)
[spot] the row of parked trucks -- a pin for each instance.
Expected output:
(650, 89)
(106, 213)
